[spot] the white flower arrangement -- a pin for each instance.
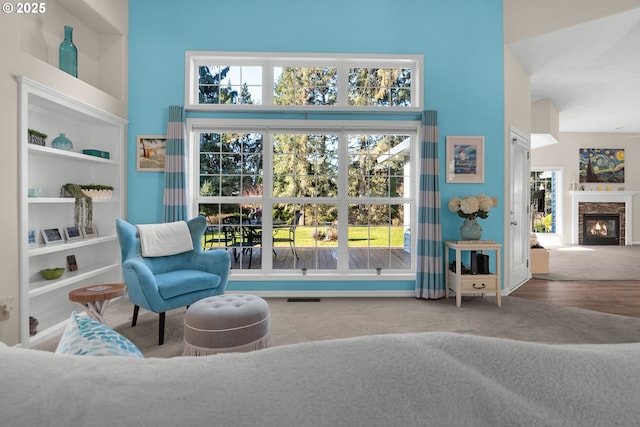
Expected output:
(472, 207)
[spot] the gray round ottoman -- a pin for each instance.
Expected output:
(225, 324)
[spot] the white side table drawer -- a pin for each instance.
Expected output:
(479, 283)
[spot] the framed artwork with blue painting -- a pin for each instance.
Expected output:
(465, 159)
(602, 165)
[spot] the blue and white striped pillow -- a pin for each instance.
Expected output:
(85, 336)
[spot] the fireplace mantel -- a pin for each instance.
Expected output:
(602, 197)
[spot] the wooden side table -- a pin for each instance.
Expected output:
(95, 298)
(472, 283)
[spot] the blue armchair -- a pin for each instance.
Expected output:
(163, 283)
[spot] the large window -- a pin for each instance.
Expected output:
(318, 82)
(306, 195)
(301, 194)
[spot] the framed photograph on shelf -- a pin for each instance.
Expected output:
(151, 153)
(465, 159)
(72, 232)
(52, 235)
(72, 265)
(89, 230)
(32, 237)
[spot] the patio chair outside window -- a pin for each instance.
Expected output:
(243, 236)
(290, 237)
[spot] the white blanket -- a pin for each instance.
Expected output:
(428, 379)
(164, 239)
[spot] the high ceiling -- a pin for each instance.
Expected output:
(589, 69)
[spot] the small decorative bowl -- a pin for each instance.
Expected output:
(34, 192)
(52, 273)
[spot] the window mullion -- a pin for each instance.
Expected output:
(267, 200)
(267, 83)
(343, 207)
(343, 85)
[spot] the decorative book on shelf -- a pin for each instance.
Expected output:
(475, 242)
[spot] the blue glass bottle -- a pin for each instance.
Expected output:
(68, 55)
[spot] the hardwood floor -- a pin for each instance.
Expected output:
(614, 297)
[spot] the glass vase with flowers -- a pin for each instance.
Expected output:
(471, 208)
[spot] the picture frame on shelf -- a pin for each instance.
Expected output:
(465, 159)
(72, 232)
(151, 153)
(89, 231)
(72, 265)
(52, 235)
(32, 237)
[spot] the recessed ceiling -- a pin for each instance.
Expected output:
(591, 72)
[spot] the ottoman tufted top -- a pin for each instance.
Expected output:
(226, 323)
(226, 312)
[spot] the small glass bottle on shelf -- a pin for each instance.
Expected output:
(68, 54)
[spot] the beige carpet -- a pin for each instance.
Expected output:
(293, 322)
(574, 262)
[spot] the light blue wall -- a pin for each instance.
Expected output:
(461, 40)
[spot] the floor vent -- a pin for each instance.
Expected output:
(303, 299)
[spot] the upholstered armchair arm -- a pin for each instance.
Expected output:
(216, 261)
(141, 284)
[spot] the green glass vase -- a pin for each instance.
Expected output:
(470, 230)
(62, 143)
(68, 53)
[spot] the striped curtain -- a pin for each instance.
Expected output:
(429, 275)
(175, 180)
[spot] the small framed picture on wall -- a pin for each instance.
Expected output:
(151, 153)
(465, 159)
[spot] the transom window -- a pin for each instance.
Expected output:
(262, 81)
(286, 195)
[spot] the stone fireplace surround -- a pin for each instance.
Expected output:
(602, 202)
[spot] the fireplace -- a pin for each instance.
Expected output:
(602, 202)
(601, 229)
